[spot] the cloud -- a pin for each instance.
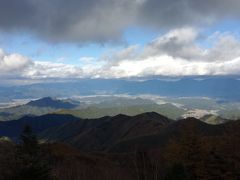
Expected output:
(176, 43)
(12, 64)
(183, 43)
(45, 70)
(69, 21)
(18, 67)
(176, 14)
(105, 20)
(114, 57)
(226, 47)
(176, 53)
(169, 66)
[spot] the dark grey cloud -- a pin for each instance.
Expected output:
(178, 43)
(74, 20)
(178, 13)
(105, 20)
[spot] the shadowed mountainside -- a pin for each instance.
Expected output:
(99, 134)
(123, 133)
(147, 146)
(13, 128)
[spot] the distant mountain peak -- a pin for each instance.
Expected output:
(48, 99)
(52, 103)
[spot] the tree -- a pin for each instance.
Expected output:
(31, 158)
(177, 172)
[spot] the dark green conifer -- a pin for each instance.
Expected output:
(32, 161)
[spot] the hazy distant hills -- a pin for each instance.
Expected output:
(106, 107)
(226, 88)
(206, 109)
(183, 98)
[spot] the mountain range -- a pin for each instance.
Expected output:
(149, 146)
(92, 107)
(226, 88)
(52, 103)
(13, 128)
(116, 133)
(36, 108)
(126, 133)
(100, 134)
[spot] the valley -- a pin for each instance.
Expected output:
(96, 106)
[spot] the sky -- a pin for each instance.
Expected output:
(42, 40)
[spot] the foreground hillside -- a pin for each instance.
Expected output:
(100, 134)
(13, 128)
(147, 146)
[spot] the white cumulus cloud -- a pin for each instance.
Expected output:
(176, 53)
(12, 64)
